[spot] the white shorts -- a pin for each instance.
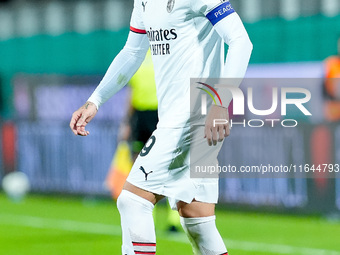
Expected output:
(163, 165)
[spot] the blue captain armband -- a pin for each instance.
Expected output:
(220, 12)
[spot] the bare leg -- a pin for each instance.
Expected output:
(153, 198)
(195, 209)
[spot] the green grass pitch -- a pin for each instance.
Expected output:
(55, 225)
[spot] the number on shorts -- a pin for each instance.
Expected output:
(148, 146)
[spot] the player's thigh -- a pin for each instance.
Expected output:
(153, 198)
(195, 209)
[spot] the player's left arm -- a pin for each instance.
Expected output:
(231, 29)
(233, 32)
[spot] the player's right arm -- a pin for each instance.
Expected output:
(122, 68)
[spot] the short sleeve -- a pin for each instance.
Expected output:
(136, 22)
(214, 10)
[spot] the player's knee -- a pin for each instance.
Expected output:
(197, 223)
(199, 227)
(130, 202)
(204, 236)
(123, 201)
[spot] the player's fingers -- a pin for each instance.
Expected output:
(81, 127)
(221, 133)
(82, 132)
(82, 120)
(207, 132)
(214, 135)
(73, 122)
(73, 126)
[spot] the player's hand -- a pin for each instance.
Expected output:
(81, 117)
(216, 125)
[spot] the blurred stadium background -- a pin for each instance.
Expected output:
(54, 53)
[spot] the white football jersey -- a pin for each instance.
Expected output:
(184, 45)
